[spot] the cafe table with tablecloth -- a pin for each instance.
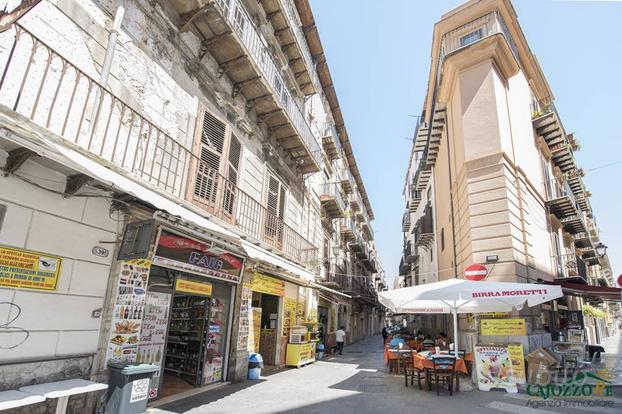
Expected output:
(422, 362)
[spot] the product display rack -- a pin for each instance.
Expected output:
(215, 340)
(185, 349)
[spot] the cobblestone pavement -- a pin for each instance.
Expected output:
(358, 382)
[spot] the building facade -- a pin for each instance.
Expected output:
(492, 177)
(160, 153)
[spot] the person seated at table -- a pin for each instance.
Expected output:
(419, 335)
(428, 341)
(396, 341)
(441, 340)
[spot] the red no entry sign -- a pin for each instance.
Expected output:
(619, 280)
(475, 272)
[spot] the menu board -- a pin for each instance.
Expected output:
(517, 359)
(128, 311)
(244, 318)
(494, 368)
(153, 334)
(503, 327)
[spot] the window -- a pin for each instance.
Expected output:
(431, 254)
(275, 204)
(217, 169)
(429, 194)
(442, 239)
(470, 37)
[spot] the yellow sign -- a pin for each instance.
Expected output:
(486, 315)
(517, 359)
(195, 288)
(289, 314)
(503, 327)
(28, 269)
(266, 284)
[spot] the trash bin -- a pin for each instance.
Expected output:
(128, 390)
(319, 351)
(255, 363)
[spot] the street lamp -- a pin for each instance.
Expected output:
(601, 250)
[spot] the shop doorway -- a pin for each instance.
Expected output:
(193, 326)
(265, 317)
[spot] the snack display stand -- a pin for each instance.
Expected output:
(300, 349)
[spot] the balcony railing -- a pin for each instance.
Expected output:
(332, 199)
(235, 14)
(292, 16)
(330, 140)
(569, 266)
(542, 107)
(346, 179)
(43, 86)
(474, 31)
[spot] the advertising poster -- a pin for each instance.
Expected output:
(26, 269)
(153, 334)
(503, 327)
(190, 255)
(244, 319)
(494, 368)
(128, 310)
(289, 314)
(517, 359)
(255, 330)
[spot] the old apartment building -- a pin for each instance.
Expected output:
(160, 151)
(492, 177)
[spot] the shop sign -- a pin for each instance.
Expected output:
(517, 359)
(128, 310)
(503, 327)
(494, 368)
(266, 284)
(21, 268)
(153, 335)
(195, 288)
(575, 320)
(189, 255)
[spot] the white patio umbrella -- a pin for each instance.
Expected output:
(465, 296)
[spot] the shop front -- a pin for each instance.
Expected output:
(174, 310)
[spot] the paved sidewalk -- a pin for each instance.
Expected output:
(357, 382)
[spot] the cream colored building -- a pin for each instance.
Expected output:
(492, 177)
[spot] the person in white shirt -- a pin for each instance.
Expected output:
(340, 337)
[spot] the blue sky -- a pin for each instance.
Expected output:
(379, 56)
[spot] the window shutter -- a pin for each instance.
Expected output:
(235, 153)
(212, 144)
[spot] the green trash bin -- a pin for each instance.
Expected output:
(128, 387)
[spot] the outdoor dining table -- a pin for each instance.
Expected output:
(422, 362)
(396, 353)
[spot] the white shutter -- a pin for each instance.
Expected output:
(210, 153)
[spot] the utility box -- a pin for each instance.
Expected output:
(128, 388)
(539, 364)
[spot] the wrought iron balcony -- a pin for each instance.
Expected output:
(355, 201)
(330, 141)
(46, 88)
(347, 229)
(346, 179)
(406, 222)
(414, 202)
(547, 124)
(570, 267)
(332, 201)
(562, 203)
(242, 53)
(424, 229)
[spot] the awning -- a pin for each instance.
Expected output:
(257, 253)
(329, 290)
(590, 291)
(48, 147)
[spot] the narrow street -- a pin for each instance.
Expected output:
(357, 382)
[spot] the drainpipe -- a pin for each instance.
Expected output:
(105, 73)
(112, 43)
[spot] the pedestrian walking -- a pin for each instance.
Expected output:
(340, 337)
(385, 335)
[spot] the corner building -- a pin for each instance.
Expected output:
(492, 177)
